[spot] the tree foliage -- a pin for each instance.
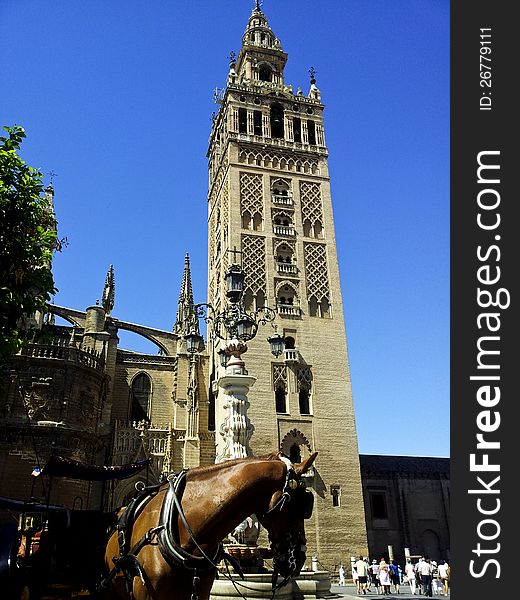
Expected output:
(28, 239)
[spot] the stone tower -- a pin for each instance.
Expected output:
(269, 198)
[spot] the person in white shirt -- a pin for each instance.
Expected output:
(444, 574)
(341, 575)
(425, 570)
(361, 568)
(410, 573)
(374, 573)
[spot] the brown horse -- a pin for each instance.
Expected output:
(215, 499)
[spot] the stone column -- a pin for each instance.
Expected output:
(233, 425)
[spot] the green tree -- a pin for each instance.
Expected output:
(28, 239)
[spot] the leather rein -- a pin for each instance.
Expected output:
(165, 535)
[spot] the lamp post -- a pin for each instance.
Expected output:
(235, 326)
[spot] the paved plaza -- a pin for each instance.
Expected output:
(349, 591)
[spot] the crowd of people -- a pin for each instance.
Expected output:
(425, 577)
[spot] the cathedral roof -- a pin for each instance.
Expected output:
(404, 465)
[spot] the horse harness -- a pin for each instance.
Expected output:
(165, 535)
(295, 491)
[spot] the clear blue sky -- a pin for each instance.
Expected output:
(116, 97)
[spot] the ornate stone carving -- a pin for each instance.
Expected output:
(253, 253)
(251, 194)
(316, 271)
(310, 199)
(39, 399)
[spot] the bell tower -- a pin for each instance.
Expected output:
(269, 198)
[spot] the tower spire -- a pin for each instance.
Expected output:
(184, 322)
(107, 300)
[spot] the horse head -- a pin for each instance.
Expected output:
(284, 518)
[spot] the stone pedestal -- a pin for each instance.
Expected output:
(307, 586)
(234, 428)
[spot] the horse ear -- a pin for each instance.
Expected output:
(304, 466)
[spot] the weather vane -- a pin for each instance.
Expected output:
(52, 174)
(312, 73)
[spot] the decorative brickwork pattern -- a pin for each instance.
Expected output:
(304, 378)
(253, 259)
(310, 199)
(251, 194)
(279, 161)
(316, 271)
(294, 437)
(279, 377)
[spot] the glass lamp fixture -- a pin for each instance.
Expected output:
(234, 283)
(223, 357)
(194, 342)
(245, 328)
(277, 344)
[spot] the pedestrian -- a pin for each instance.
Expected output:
(341, 574)
(424, 568)
(384, 577)
(361, 568)
(355, 577)
(410, 573)
(437, 586)
(394, 575)
(369, 579)
(374, 575)
(444, 571)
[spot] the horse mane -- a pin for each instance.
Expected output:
(228, 463)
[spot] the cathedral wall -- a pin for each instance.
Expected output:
(407, 509)
(162, 377)
(51, 400)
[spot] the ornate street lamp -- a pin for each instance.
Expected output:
(234, 283)
(277, 344)
(194, 342)
(234, 324)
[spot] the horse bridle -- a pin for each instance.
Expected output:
(294, 489)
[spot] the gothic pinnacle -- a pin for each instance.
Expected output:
(108, 297)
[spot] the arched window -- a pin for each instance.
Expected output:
(257, 222)
(257, 122)
(247, 221)
(242, 120)
(297, 130)
(295, 454)
(313, 306)
(248, 299)
(325, 308)
(277, 125)
(284, 254)
(280, 188)
(287, 295)
(141, 389)
(311, 130)
(303, 399)
(290, 343)
(260, 299)
(265, 73)
(279, 394)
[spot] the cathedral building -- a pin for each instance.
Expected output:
(74, 391)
